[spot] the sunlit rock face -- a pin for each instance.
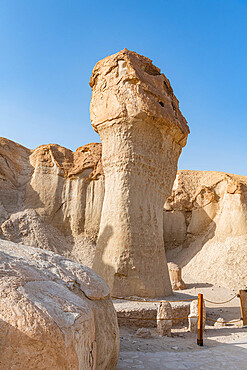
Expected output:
(51, 197)
(205, 227)
(54, 313)
(142, 130)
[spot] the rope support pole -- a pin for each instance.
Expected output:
(200, 321)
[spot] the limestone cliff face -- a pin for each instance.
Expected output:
(15, 173)
(51, 197)
(205, 227)
(65, 183)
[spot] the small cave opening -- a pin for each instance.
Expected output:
(161, 103)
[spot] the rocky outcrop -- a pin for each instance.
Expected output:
(54, 313)
(15, 173)
(205, 227)
(51, 197)
(142, 131)
(175, 273)
(56, 204)
(61, 187)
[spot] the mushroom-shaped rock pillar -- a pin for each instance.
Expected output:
(142, 130)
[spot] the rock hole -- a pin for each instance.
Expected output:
(161, 103)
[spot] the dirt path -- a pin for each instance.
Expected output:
(224, 347)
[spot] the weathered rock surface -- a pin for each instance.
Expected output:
(51, 197)
(220, 323)
(143, 333)
(175, 273)
(204, 219)
(205, 227)
(54, 313)
(142, 131)
(164, 319)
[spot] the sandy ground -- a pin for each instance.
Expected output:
(184, 341)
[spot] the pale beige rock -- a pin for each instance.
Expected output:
(142, 131)
(15, 171)
(51, 197)
(54, 313)
(175, 229)
(220, 323)
(212, 246)
(175, 273)
(56, 204)
(63, 185)
(164, 319)
(143, 333)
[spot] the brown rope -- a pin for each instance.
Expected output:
(229, 300)
(154, 319)
(174, 318)
(167, 300)
(153, 301)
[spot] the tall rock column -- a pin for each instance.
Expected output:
(142, 130)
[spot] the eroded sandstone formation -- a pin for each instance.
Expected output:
(205, 227)
(142, 131)
(175, 273)
(204, 219)
(52, 197)
(54, 313)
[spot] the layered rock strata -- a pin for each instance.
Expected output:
(54, 313)
(52, 197)
(205, 227)
(142, 131)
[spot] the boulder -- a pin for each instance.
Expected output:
(164, 319)
(175, 273)
(135, 112)
(143, 333)
(54, 313)
(220, 323)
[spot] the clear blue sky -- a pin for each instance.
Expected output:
(49, 47)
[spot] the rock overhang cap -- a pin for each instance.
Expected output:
(128, 86)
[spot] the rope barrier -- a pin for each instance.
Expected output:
(167, 300)
(153, 301)
(174, 318)
(151, 319)
(229, 300)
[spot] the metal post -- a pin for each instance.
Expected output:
(200, 320)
